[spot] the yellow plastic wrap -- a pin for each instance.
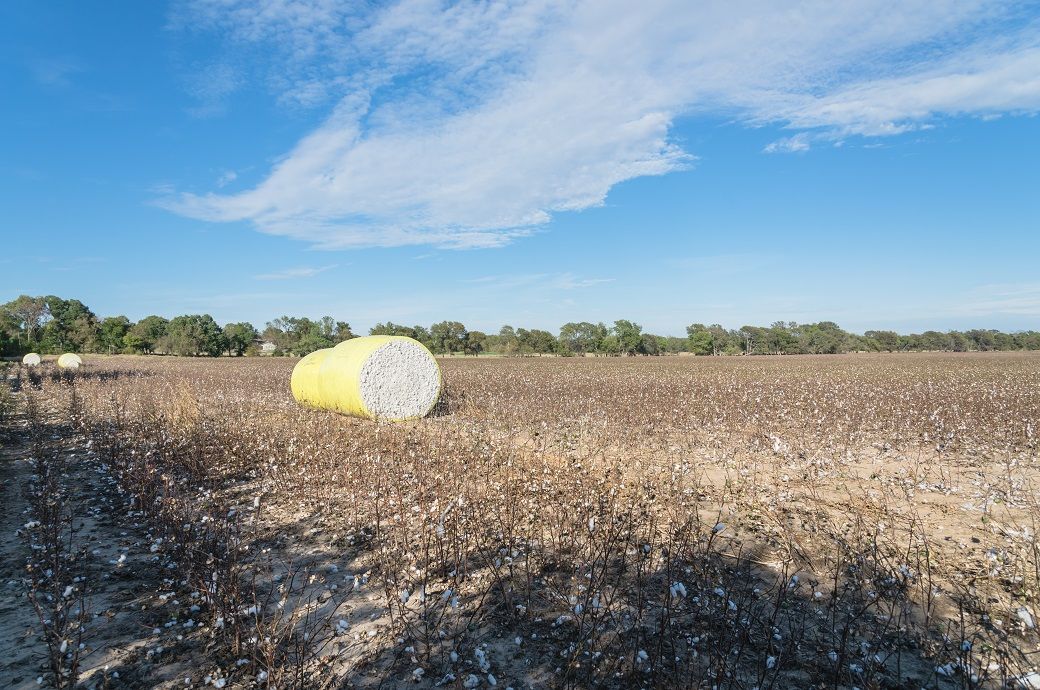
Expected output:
(69, 361)
(331, 379)
(304, 382)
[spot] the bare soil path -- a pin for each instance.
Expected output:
(119, 576)
(23, 653)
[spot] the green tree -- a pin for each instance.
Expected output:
(754, 340)
(820, 338)
(506, 341)
(133, 343)
(332, 330)
(1003, 341)
(701, 340)
(649, 344)
(285, 332)
(934, 340)
(391, 328)
(422, 334)
(111, 333)
(582, 337)
(536, 341)
(9, 332)
(300, 336)
(146, 333)
(448, 337)
(239, 336)
(981, 339)
(629, 336)
(309, 341)
(29, 313)
(194, 335)
(475, 341)
(886, 340)
(415, 332)
(72, 326)
(672, 345)
(723, 341)
(342, 332)
(779, 339)
(958, 341)
(1027, 340)
(610, 345)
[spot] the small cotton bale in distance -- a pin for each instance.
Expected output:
(32, 360)
(378, 377)
(70, 360)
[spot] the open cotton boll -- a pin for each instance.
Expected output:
(32, 360)
(380, 377)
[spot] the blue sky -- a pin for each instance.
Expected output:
(526, 163)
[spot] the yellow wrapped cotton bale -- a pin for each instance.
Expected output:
(304, 382)
(70, 361)
(32, 360)
(379, 377)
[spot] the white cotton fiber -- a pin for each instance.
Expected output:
(400, 380)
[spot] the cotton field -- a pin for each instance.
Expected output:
(732, 522)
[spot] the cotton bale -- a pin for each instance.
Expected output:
(70, 360)
(32, 360)
(304, 381)
(378, 377)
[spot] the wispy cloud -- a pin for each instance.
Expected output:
(796, 144)
(226, 178)
(55, 71)
(548, 281)
(1019, 299)
(468, 125)
(211, 86)
(293, 273)
(571, 282)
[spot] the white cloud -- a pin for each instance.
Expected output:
(468, 125)
(292, 273)
(977, 82)
(796, 144)
(226, 178)
(211, 86)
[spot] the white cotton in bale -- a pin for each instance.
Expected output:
(400, 380)
(70, 360)
(32, 360)
(379, 376)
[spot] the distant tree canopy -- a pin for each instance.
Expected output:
(52, 325)
(69, 326)
(145, 335)
(239, 337)
(300, 336)
(111, 333)
(447, 337)
(582, 337)
(194, 335)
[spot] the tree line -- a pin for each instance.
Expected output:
(52, 325)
